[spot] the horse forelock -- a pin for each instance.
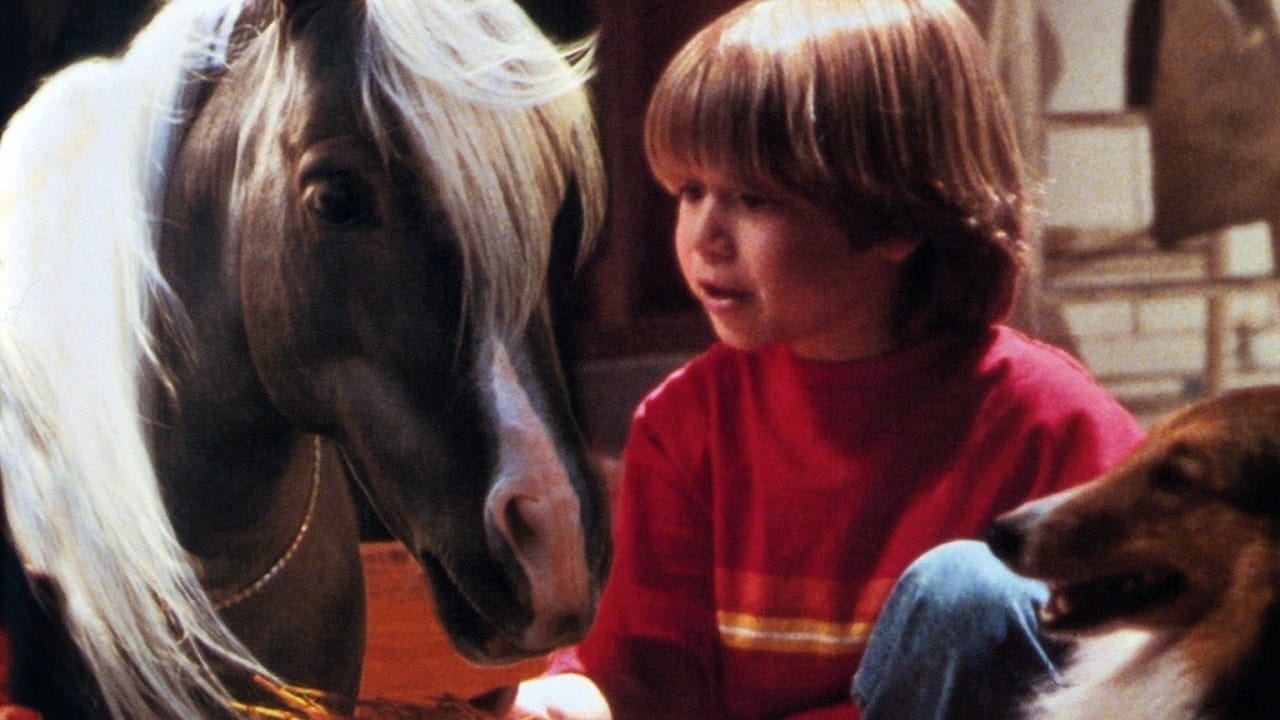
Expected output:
(500, 119)
(81, 169)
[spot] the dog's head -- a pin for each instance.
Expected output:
(1189, 521)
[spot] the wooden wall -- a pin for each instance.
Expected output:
(409, 658)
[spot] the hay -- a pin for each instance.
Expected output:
(446, 708)
(306, 704)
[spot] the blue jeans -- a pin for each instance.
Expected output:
(957, 639)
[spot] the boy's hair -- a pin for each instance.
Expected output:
(887, 112)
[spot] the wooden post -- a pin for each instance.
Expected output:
(1015, 49)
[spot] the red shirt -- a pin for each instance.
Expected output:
(768, 504)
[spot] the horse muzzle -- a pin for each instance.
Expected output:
(535, 519)
(534, 529)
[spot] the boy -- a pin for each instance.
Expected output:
(851, 214)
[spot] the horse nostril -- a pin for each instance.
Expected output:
(1005, 541)
(568, 629)
(520, 531)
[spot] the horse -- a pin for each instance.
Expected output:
(275, 250)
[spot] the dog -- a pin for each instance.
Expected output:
(1164, 573)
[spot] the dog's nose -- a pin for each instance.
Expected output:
(1004, 540)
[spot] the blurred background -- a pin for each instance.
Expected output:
(1153, 125)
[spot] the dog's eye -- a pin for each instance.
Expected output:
(1181, 470)
(1169, 476)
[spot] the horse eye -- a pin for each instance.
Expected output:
(340, 201)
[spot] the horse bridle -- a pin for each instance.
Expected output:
(291, 549)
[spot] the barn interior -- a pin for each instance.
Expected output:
(1154, 126)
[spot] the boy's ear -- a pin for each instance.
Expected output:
(897, 249)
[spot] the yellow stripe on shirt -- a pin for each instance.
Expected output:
(792, 635)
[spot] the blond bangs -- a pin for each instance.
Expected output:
(732, 115)
(863, 106)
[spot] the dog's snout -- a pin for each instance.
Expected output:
(1005, 540)
(1017, 534)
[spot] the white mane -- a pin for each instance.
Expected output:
(81, 172)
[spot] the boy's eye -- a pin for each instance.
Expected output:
(691, 191)
(753, 200)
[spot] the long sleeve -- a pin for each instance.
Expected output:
(652, 650)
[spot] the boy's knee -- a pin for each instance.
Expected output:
(962, 583)
(963, 564)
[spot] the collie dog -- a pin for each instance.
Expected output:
(1165, 571)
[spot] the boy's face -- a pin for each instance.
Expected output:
(771, 267)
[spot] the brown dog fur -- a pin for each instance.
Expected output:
(1166, 570)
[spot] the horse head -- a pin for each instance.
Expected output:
(386, 249)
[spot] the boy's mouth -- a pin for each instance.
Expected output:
(722, 293)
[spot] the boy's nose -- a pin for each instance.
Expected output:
(711, 235)
(716, 246)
